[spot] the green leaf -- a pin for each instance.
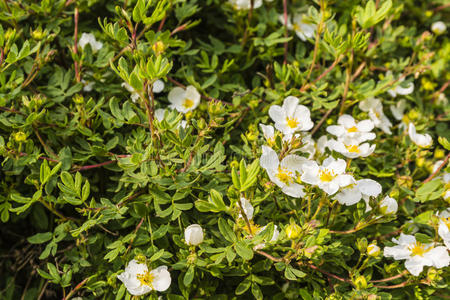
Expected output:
(243, 250)
(226, 231)
(189, 275)
(40, 238)
(429, 191)
(243, 286)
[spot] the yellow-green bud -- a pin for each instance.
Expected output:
(158, 47)
(9, 33)
(439, 153)
(201, 124)
(293, 231)
(404, 181)
(38, 34)
(433, 274)
(140, 258)
(253, 104)
(20, 137)
(360, 282)
(394, 193)
(420, 161)
(234, 164)
(78, 99)
(413, 114)
(215, 107)
(428, 13)
(373, 250)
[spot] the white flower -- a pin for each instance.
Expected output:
(193, 235)
(438, 27)
(309, 146)
(388, 206)
(399, 90)
(88, 86)
(160, 114)
(275, 235)
(269, 133)
(421, 140)
(158, 86)
(247, 207)
(139, 281)
(349, 128)
(444, 230)
(362, 189)
(374, 107)
(284, 174)
(89, 38)
(245, 4)
(184, 100)
(134, 94)
(291, 117)
(398, 109)
(329, 177)
(322, 143)
(350, 147)
(302, 27)
(416, 254)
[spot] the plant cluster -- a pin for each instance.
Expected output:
(187, 149)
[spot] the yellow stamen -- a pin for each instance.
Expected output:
(352, 129)
(146, 278)
(188, 103)
(284, 175)
(296, 27)
(254, 227)
(446, 222)
(418, 249)
(326, 175)
(293, 123)
(352, 148)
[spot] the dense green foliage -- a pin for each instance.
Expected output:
(91, 178)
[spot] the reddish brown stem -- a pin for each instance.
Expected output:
(307, 86)
(391, 278)
(78, 286)
(438, 169)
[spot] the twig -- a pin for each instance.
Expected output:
(321, 122)
(285, 15)
(441, 90)
(307, 86)
(273, 258)
(392, 286)
(391, 278)
(75, 47)
(441, 7)
(76, 288)
(438, 169)
(12, 110)
(46, 147)
(135, 231)
(244, 215)
(41, 294)
(327, 273)
(249, 19)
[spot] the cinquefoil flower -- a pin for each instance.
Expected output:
(399, 90)
(329, 177)
(444, 227)
(388, 206)
(302, 27)
(421, 140)
(374, 108)
(89, 38)
(350, 147)
(184, 100)
(247, 207)
(438, 27)
(348, 127)
(362, 189)
(139, 281)
(285, 173)
(193, 235)
(245, 4)
(291, 117)
(416, 254)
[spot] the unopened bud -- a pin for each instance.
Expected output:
(20, 137)
(38, 34)
(439, 153)
(373, 250)
(158, 47)
(293, 231)
(360, 282)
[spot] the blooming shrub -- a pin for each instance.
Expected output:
(239, 149)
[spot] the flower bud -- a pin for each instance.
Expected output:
(438, 27)
(20, 137)
(158, 47)
(373, 250)
(215, 107)
(420, 161)
(253, 104)
(433, 274)
(360, 282)
(413, 114)
(439, 153)
(78, 99)
(293, 231)
(193, 235)
(394, 193)
(38, 34)
(404, 181)
(388, 206)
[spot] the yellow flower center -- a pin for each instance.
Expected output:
(254, 228)
(296, 27)
(352, 148)
(292, 122)
(188, 103)
(326, 175)
(352, 129)
(446, 222)
(284, 175)
(418, 249)
(146, 278)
